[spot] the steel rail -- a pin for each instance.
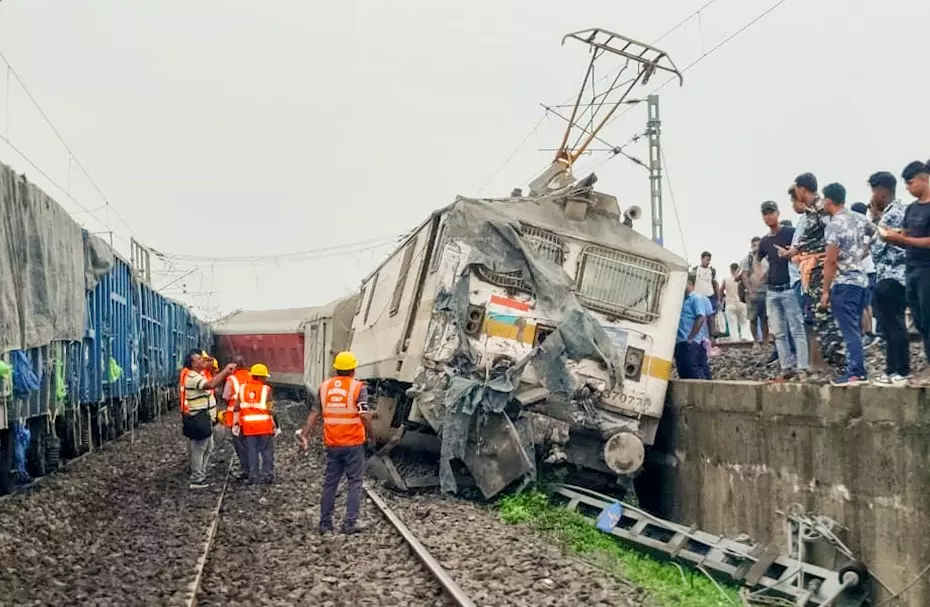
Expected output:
(194, 587)
(451, 587)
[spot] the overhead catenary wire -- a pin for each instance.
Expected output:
(671, 194)
(704, 55)
(72, 156)
(566, 103)
(306, 254)
(84, 208)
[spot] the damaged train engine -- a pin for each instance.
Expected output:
(508, 331)
(537, 328)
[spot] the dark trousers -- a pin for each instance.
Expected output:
(242, 451)
(918, 300)
(260, 447)
(691, 361)
(848, 303)
(889, 304)
(351, 462)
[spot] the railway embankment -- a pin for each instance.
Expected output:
(732, 455)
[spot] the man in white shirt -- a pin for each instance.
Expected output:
(734, 300)
(705, 283)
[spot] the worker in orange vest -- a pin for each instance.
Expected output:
(198, 414)
(234, 383)
(256, 425)
(343, 405)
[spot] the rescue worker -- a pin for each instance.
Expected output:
(234, 383)
(256, 425)
(197, 413)
(343, 405)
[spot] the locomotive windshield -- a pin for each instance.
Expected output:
(621, 284)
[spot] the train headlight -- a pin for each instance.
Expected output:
(633, 363)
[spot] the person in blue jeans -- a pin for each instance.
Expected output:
(690, 355)
(845, 284)
(781, 303)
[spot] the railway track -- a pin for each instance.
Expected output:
(442, 576)
(123, 528)
(454, 593)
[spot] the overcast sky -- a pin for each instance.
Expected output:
(225, 128)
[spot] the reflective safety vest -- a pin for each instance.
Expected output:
(342, 425)
(182, 391)
(208, 374)
(254, 418)
(200, 405)
(236, 380)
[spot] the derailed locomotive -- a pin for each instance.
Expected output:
(520, 329)
(505, 332)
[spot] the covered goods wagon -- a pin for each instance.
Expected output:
(88, 348)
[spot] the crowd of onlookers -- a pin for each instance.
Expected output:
(825, 288)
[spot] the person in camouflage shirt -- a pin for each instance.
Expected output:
(809, 251)
(845, 281)
(890, 295)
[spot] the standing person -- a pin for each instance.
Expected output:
(734, 299)
(845, 284)
(234, 383)
(343, 406)
(198, 414)
(705, 283)
(784, 311)
(915, 239)
(753, 275)
(868, 335)
(256, 425)
(890, 301)
(690, 355)
(810, 251)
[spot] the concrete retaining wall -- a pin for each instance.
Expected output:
(736, 452)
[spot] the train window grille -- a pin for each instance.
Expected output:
(621, 284)
(542, 242)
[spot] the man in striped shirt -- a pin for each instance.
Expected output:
(199, 413)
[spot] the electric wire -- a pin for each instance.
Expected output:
(519, 146)
(84, 208)
(671, 194)
(72, 156)
(306, 254)
(703, 56)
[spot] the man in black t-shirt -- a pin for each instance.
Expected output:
(916, 241)
(781, 302)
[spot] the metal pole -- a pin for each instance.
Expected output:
(654, 129)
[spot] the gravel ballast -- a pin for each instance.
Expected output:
(121, 527)
(118, 527)
(750, 363)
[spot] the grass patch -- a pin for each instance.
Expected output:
(661, 580)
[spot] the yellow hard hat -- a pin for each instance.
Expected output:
(345, 361)
(216, 365)
(259, 370)
(203, 354)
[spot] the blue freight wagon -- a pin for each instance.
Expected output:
(68, 396)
